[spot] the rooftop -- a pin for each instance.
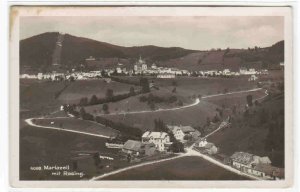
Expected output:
(133, 145)
(155, 135)
(242, 157)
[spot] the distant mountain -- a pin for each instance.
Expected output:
(38, 53)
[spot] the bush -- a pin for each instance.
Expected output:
(177, 147)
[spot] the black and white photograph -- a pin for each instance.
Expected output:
(153, 97)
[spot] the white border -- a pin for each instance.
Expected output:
(289, 76)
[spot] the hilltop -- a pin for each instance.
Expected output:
(37, 55)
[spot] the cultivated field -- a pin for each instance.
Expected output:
(40, 147)
(134, 104)
(186, 168)
(238, 99)
(194, 116)
(77, 125)
(189, 86)
(39, 97)
(88, 88)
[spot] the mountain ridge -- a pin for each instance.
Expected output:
(36, 54)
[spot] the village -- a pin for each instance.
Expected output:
(177, 141)
(141, 68)
(108, 116)
(167, 140)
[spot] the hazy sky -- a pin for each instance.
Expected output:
(198, 33)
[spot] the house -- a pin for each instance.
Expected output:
(177, 132)
(133, 147)
(205, 147)
(188, 130)
(256, 165)
(180, 132)
(166, 76)
(268, 171)
(252, 78)
(159, 139)
(153, 66)
(118, 70)
(261, 160)
(242, 161)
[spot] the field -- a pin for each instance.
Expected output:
(238, 99)
(194, 116)
(40, 147)
(38, 97)
(186, 168)
(78, 125)
(251, 136)
(134, 104)
(189, 86)
(88, 88)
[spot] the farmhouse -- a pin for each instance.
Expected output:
(177, 132)
(181, 131)
(159, 139)
(242, 161)
(205, 147)
(267, 171)
(133, 147)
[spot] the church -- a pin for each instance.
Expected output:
(140, 66)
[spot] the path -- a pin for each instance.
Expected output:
(192, 152)
(189, 152)
(136, 166)
(29, 122)
(197, 101)
(219, 128)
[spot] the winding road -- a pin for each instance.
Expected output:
(189, 151)
(197, 101)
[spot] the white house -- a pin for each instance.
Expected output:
(206, 147)
(177, 132)
(160, 139)
(166, 76)
(118, 70)
(252, 78)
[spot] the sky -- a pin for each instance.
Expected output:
(198, 33)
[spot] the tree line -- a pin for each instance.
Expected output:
(129, 131)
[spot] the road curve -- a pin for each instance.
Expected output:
(197, 101)
(29, 122)
(135, 166)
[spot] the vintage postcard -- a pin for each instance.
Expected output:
(159, 96)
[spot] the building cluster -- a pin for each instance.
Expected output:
(140, 67)
(205, 147)
(184, 133)
(228, 72)
(255, 165)
(151, 143)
